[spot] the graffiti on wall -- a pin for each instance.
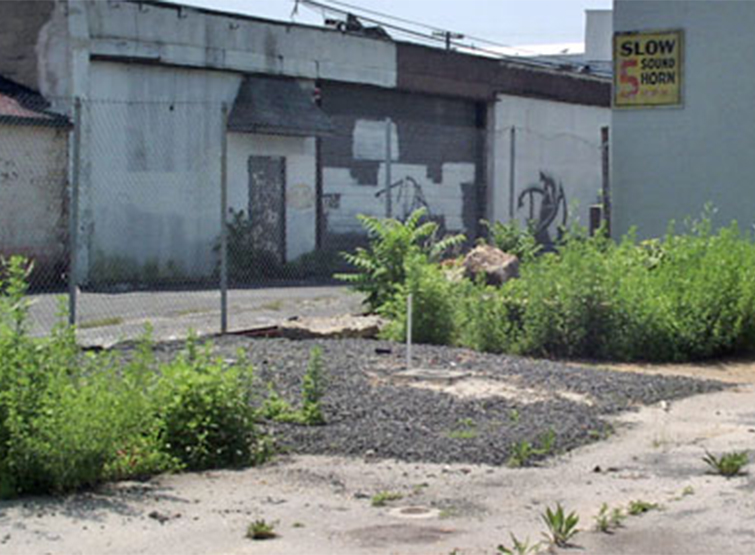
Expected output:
(545, 202)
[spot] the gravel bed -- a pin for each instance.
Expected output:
(368, 415)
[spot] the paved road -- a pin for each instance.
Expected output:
(106, 318)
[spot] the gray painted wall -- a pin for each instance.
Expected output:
(668, 162)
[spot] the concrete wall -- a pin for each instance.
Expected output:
(301, 211)
(20, 27)
(668, 162)
(558, 138)
(150, 194)
(598, 35)
(33, 166)
(189, 37)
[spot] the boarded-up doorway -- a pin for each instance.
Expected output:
(267, 204)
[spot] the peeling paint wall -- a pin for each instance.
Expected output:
(436, 159)
(33, 166)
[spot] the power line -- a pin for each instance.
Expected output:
(441, 34)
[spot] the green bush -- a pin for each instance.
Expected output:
(381, 267)
(70, 419)
(689, 296)
(512, 239)
(206, 408)
(487, 318)
(433, 304)
(686, 296)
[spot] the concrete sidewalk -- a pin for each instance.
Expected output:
(107, 318)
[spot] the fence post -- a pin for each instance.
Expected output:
(223, 223)
(606, 171)
(73, 213)
(388, 161)
(512, 172)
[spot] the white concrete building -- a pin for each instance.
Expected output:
(306, 114)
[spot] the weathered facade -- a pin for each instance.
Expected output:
(33, 179)
(307, 114)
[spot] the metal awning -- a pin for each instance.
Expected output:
(278, 107)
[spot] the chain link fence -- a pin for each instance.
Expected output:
(137, 212)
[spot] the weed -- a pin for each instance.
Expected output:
(608, 520)
(510, 238)
(514, 415)
(523, 451)
(382, 498)
(313, 388)
(728, 464)
(298, 525)
(519, 547)
(274, 407)
(688, 490)
(561, 527)
(261, 530)
(70, 419)
(433, 300)
(381, 267)
(638, 507)
(465, 429)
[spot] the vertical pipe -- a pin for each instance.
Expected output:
(73, 214)
(223, 224)
(512, 172)
(606, 171)
(409, 331)
(388, 160)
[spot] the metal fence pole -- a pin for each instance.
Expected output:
(223, 223)
(512, 171)
(388, 161)
(73, 213)
(606, 171)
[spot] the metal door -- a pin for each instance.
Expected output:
(267, 204)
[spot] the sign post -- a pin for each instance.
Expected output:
(648, 69)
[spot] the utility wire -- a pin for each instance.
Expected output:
(543, 59)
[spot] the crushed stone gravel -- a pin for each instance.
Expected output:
(371, 415)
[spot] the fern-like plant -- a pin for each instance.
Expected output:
(380, 267)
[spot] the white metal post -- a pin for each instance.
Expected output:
(73, 213)
(223, 223)
(409, 332)
(388, 161)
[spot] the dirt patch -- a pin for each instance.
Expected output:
(739, 370)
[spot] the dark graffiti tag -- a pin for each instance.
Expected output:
(546, 201)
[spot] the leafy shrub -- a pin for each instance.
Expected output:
(433, 304)
(206, 409)
(381, 267)
(70, 419)
(487, 318)
(688, 296)
(510, 238)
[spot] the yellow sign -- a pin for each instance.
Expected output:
(647, 69)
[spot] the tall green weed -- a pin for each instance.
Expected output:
(70, 419)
